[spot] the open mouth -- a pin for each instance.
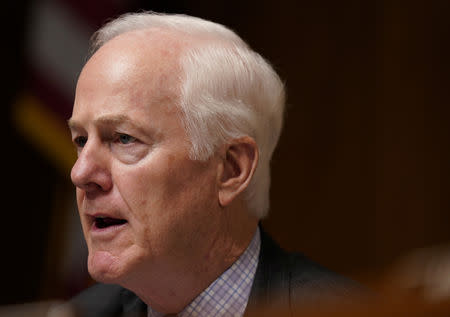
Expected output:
(106, 222)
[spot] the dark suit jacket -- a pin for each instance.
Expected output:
(281, 278)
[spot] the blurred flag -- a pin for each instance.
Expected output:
(58, 35)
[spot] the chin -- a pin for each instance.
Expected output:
(105, 268)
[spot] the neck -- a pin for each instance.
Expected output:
(171, 289)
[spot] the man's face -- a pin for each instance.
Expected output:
(144, 205)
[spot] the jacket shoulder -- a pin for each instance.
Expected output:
(306, 274)
(295, 277)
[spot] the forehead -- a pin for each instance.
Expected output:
(135, 70)
(148, 56)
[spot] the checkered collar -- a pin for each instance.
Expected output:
(228, 294)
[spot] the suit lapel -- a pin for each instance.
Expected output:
(271, 284)
(132, 305)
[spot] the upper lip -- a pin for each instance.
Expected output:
(93, 216)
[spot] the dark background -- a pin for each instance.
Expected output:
(361, 175)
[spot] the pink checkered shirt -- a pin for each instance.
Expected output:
(228, 294)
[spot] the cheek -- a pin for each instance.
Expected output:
(151, 186)
(166, 194)
(145, 196)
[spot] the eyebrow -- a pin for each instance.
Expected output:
(73, 124)
(115, 119)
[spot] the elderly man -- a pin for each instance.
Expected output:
(175, 120)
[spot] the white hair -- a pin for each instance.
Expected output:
(227, 91)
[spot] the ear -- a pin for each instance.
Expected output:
(237, 168)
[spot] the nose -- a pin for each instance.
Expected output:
(91, 172)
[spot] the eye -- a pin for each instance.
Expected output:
(126, 139)
(80, 141)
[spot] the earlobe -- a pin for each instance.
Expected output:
(238, 166)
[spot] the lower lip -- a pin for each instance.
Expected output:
(107, 232)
